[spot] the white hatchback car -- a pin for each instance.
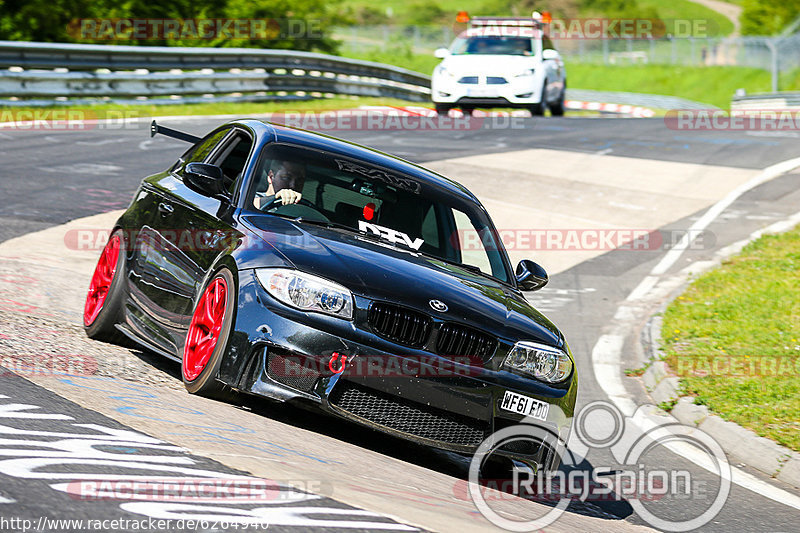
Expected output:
(500, 62)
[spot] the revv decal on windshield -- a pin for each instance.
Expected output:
(391, 235)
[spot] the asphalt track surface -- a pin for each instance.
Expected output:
(50, 177)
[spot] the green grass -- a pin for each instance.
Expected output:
(101, 111)
(400, 57)
(734, 338)
(711, 85)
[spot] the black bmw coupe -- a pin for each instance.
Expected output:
(297, 267)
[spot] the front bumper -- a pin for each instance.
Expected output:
(285, 354)
(518, 92)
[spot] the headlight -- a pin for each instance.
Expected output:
(307, 292)
(543, 362)
(444, 72)
(527, 72)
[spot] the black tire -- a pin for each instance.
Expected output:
(442, 109)
(557, 109)
(496, 467)
(103, 327)
(538, 109)
(206, 383)
(467, 110)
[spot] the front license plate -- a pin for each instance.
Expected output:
(481, 92)
(524, 405)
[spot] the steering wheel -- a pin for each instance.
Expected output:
(276, 202)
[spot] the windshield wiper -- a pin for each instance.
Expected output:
(337, 225)
(469, 268)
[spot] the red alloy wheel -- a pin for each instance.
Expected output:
(205, 328)
(101, 280)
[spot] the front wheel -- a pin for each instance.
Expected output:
(538, 109)
(442, 109)
(105, 298)
(557, 109)
(208, 335)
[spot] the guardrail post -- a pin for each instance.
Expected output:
(773, 48)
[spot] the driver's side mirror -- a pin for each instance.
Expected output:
(530, 276)
(550, 54)
(441, 53)
(204, 178)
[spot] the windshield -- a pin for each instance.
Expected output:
(497, 45)
(394, 208)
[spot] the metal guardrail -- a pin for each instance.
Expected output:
(62, 71)
(39, 74)
(767, 101)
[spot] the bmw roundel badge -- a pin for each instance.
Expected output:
(438, 305)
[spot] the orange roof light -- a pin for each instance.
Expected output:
(462, 17)
(546, 17)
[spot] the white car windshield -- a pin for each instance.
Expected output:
(492, 45)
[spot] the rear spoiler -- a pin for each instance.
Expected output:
(175, 134)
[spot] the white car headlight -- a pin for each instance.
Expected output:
(446, 73)
(526, 72)
(307, 292)
(543, 362)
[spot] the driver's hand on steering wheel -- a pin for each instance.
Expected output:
(288, 196)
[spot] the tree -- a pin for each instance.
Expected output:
(295, 24)
(767, 17)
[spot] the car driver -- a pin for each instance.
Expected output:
(286, 179)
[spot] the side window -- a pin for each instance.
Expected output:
(473, 251)
(232, 157)
(430, 228)
(199, 152)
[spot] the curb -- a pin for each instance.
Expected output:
(740, 443)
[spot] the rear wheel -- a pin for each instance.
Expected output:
(208, 335)
(467, 110)
(103, 308)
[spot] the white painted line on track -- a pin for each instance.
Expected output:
(702, 223)
(607, 352)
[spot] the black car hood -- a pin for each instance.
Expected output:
(381, 271)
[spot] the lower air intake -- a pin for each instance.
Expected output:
(289, 370)
(407, 417)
